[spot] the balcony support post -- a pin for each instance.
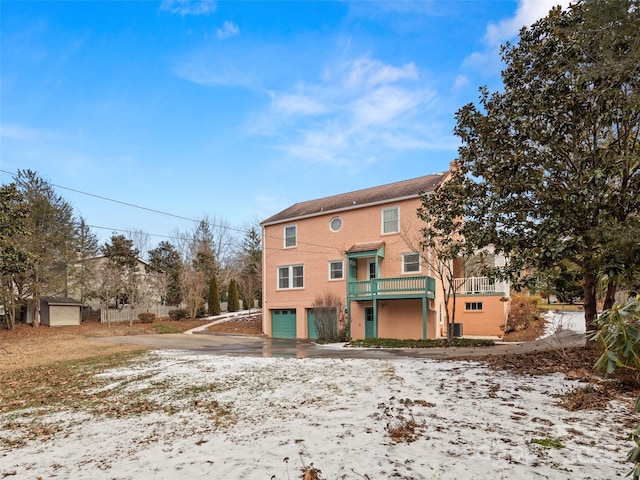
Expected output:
(424, 318)
(375, 317)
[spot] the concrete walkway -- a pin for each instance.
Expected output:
(225, 317)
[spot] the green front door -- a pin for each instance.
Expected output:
(283, 323)
(369, 323)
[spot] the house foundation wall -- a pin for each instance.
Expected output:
(487, 322)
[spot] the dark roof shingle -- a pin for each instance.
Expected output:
(365, 247)
(61, 301)
(390, 191)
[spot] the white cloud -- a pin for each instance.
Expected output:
(363, 110)
(353, 109)
(189, 7)
(204, 71)
(366, 72)
(460, 82)
(386, 104)
(528, 12)
(296, 104)
(327, 145)
(229, 29)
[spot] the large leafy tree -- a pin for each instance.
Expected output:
(233, 303)
(166, 258)
(550, 166)
(250, 281)
(51, 242)
(122, 257)
(213, 298)
(120, 252)
(84, 271)
(14, 257)
(203, 256)
(443, 246)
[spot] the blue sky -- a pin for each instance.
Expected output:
(236, 110)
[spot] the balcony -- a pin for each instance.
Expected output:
(476, 285)
(396, 287)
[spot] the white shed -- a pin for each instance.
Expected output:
(60, 311)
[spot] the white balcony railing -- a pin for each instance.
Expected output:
(474, 285)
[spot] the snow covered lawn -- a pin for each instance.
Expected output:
(182, 416)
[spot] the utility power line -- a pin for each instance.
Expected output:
(160, 212)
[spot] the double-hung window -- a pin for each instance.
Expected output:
(410, 262)
(336, 270)
(290, 236)
(390, 220)
(290, 276)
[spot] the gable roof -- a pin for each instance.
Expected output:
(369, 196)
(61, 301)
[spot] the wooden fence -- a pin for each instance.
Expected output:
(125, 314)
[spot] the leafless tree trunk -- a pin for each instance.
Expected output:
(193, 286)
(141, 241)
(437, 261)
(107, 287)
(328, 317)
(159, 282)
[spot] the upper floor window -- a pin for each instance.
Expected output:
(336, 270)
(390, 220)
(291, 276)
(290, 236)
(410, 262)
(335, 224)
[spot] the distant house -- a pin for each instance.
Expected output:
(60, 311)
(141, 270)
(362, 247)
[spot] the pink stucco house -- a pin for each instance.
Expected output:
(362, 246)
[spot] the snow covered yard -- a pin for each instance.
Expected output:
(182, 416)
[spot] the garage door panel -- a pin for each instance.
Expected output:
(283, 323)
(311, 325)
(60, 315)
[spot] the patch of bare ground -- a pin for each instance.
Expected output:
(248, 325)
(533, 330)
(575, 364)
(26, 346)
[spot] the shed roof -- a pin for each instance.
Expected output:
(365, 247)
(359, 198)
(61, 301)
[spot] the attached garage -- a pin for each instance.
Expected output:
(283, 323)
(59, 312)
(328, 323)
(311, 325)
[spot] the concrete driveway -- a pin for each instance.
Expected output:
(564, 330)
(208, 344)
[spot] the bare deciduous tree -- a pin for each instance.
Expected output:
(441, 260)
(141, 241)
(159, 282)
(193, 286)
(329, 319)
(107, 287)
